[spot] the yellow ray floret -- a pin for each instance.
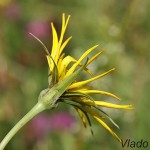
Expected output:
(81, 83)
(106, 104)
(64, 64)
(107, 128)
(64, 44)
(50, 63)
(82, 116)
(55, 42)
(94, 57)
(99, 92)
(99, 119)
(71, 70)
(58, 44)
(89, 102)
(78, 93)
(64, 26)
(111, 105)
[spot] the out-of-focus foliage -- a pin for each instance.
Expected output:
(122, 28)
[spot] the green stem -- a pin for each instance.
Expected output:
(47, 100)
(39, 107)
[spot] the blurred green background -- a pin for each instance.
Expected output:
(122, 28)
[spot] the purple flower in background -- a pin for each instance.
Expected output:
(37, 128)
(38, 28)
(13, 11)
(61, 121)
(45, 123)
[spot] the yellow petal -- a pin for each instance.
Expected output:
(55, 42)
(98, 118)
(107, 128)
(63, 29)
(85, 102)
(68, 59)
(67, 21)
(65, 62)
(79, 84)
(111, 105)
(80, 89)
(71, 70)
(100, 92)
(104, 104)
(50, 63)
(60, 63)
(94, 57)
(64, 45)
(81, 116)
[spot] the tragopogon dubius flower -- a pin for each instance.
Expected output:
(62, 79)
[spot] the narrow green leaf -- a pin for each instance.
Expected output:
(77, 94)
(76, 105)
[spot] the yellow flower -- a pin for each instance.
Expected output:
(77, 93)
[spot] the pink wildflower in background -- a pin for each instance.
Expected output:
(45, 123)
(38, 28)
(13, 11)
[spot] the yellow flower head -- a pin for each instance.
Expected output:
(62, 75)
